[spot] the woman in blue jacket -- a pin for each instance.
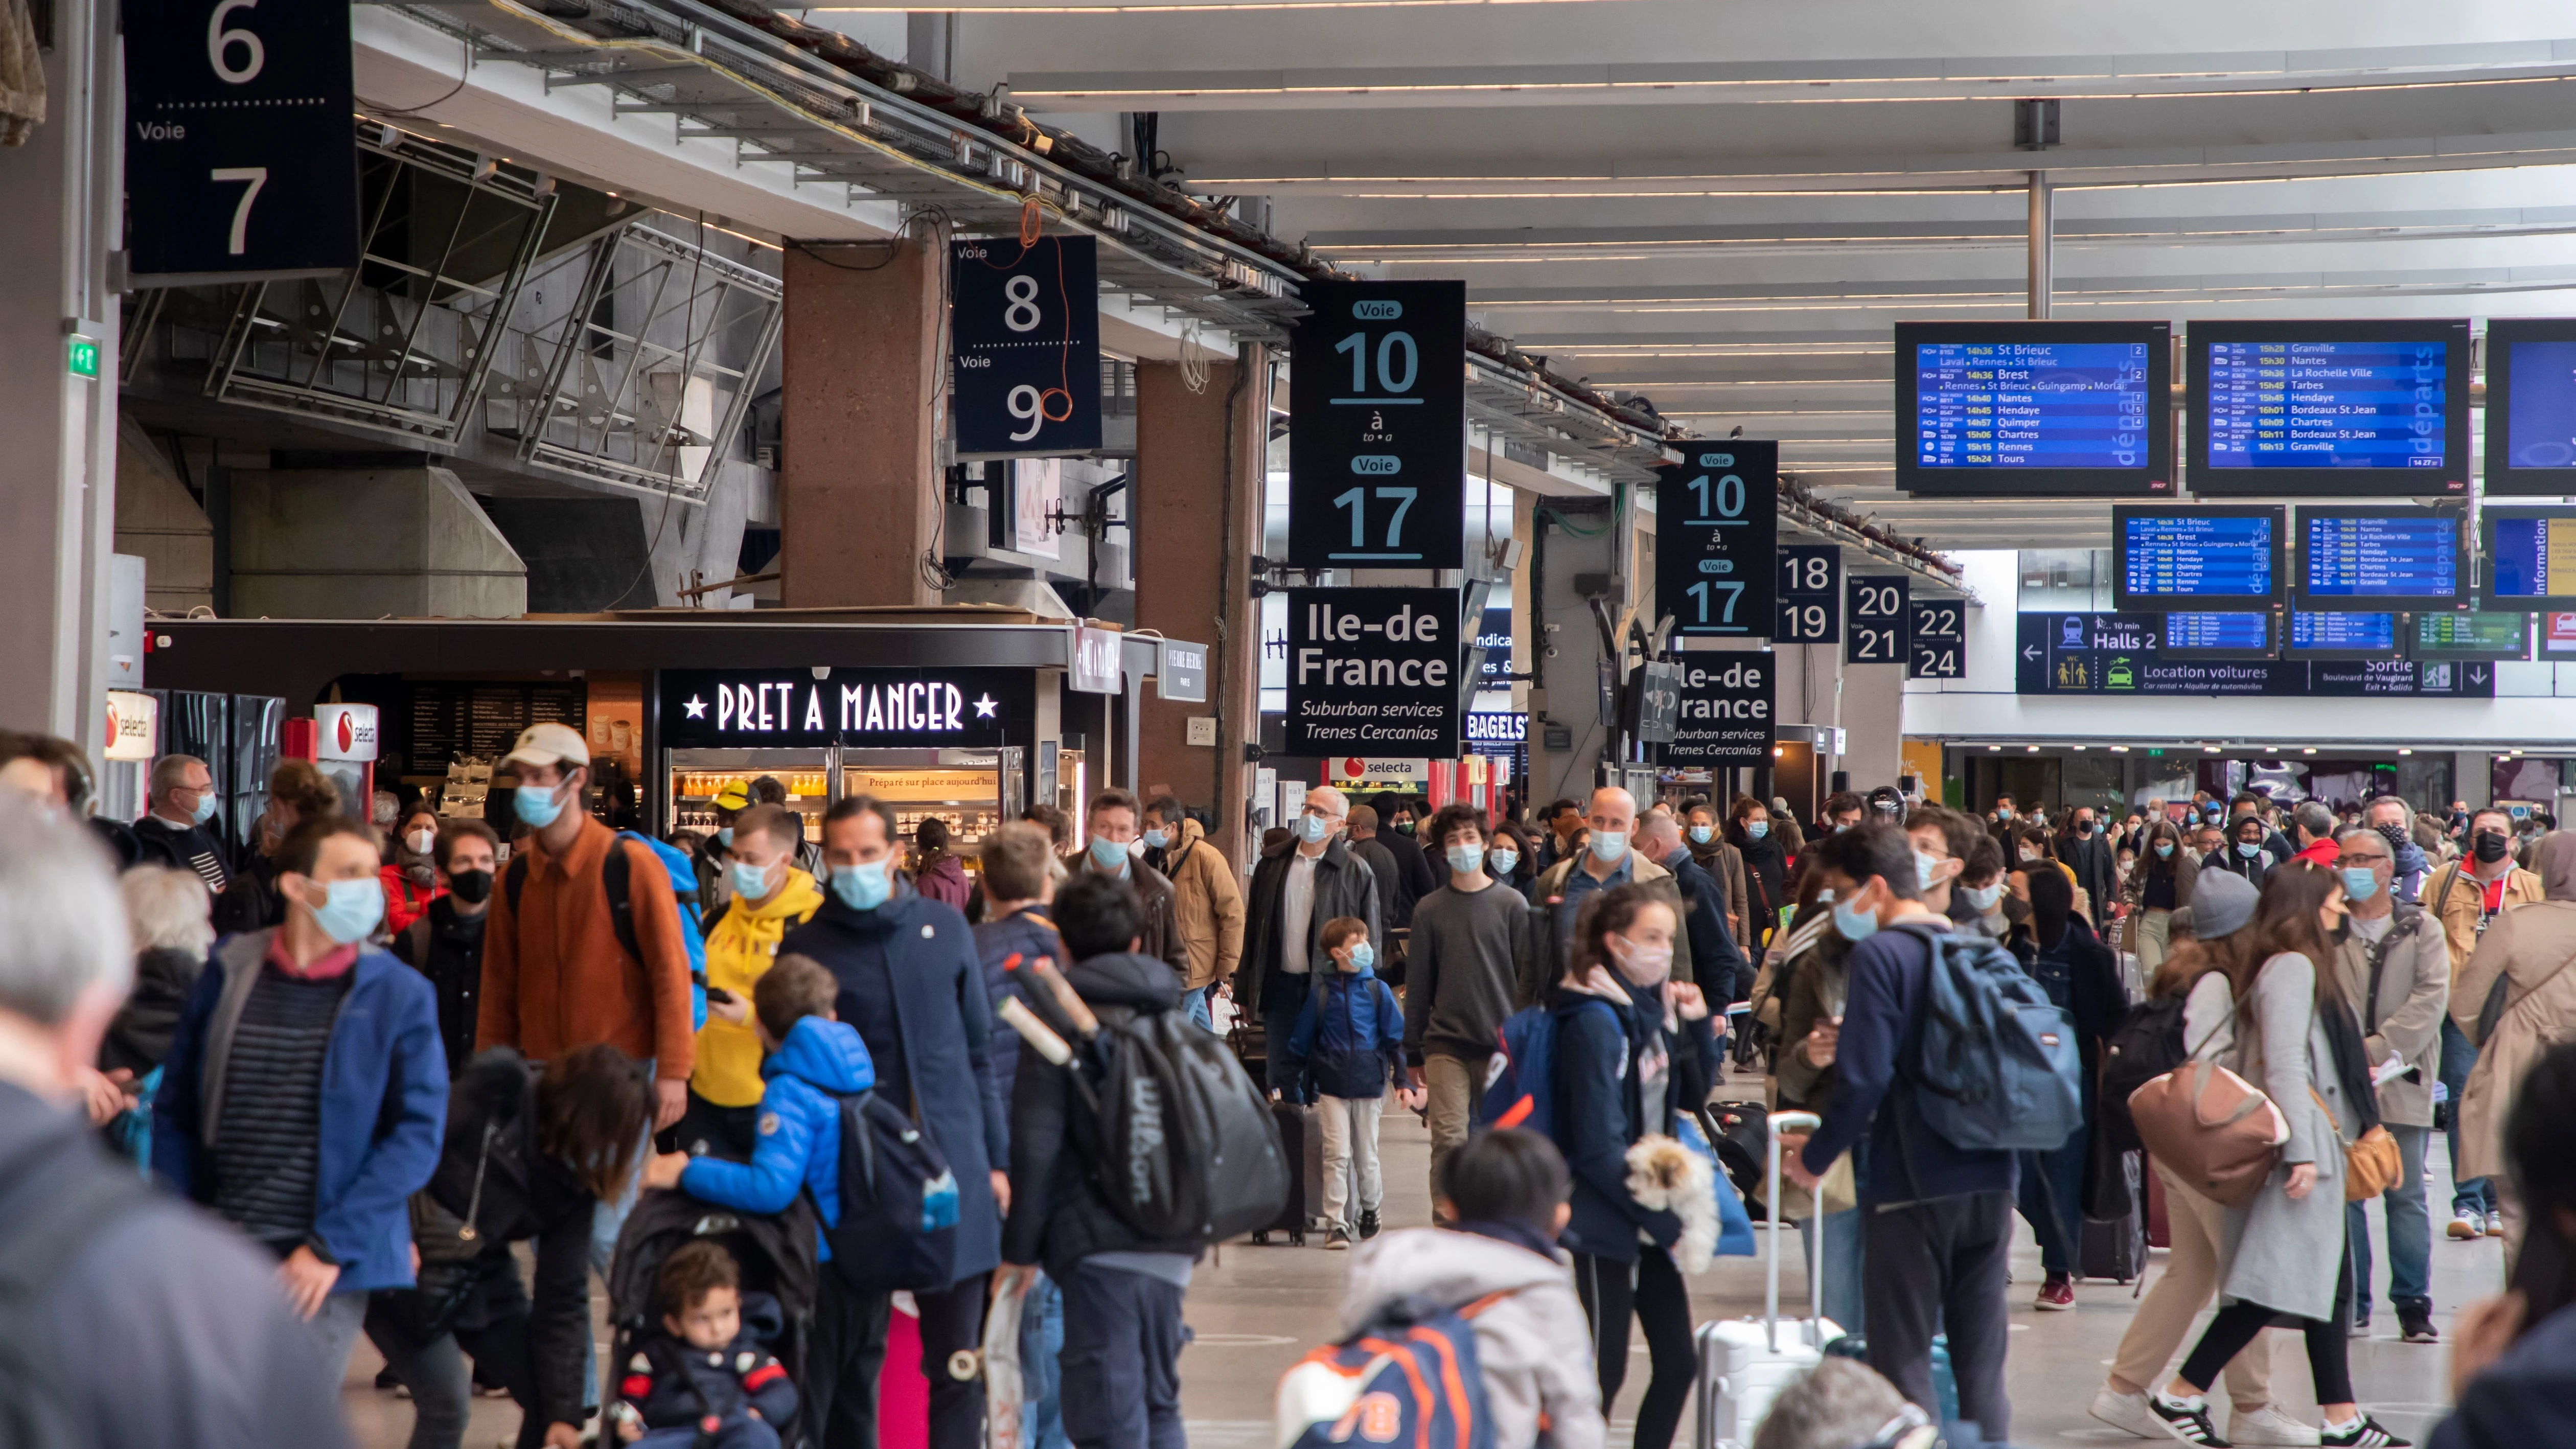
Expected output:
(1634, 1048)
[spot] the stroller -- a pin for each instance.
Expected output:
(776, 1255)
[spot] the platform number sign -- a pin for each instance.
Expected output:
(1879, 619)
(1938, 647)
(1025, 365)
(1377, 426)
(241, 161)
(1811, 595)
(1717, 528)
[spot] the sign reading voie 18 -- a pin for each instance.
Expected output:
(789, 708)
(1373, 672)
(1726, 712)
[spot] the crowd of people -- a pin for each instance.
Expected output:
(424, 1080)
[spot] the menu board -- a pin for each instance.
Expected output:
(2214, 557)
(453, 720)
(2408, 559)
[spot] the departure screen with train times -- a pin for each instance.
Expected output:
(2030, 404)
(2198, 555)
(2381, 556)
(2319, 404)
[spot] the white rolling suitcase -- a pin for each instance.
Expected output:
(1744, 1363)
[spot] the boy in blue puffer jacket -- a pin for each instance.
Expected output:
(814, 1060)
(1350, 1039)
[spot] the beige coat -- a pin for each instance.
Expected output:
(2453, 894)
(2414, 989)
(1207, 907)
(2531, 948)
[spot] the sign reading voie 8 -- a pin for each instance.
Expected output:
(1377, 459)
(1026, 326)
(1717, 532)
(1373, 672)
(1726, 710)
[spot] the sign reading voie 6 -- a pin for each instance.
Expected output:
(1373, 671)
(1726, 711)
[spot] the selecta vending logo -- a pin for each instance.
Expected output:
(345, 731)
(348, 733)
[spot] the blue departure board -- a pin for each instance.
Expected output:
(2249, 633)
(2350, 555)
(2346, 633)
(2199, 555)
(2030, 404)
(2322, 404)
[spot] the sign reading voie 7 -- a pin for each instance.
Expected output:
(1717, 531)
(1377, 459)
(1373, 672)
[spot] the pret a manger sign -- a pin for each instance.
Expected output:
(1373, 671)
(703, 708)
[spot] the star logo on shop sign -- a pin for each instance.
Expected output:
(985, 705)
(696, 706)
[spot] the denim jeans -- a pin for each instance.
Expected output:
(2458, 1058)
(1197, 1004)
(2052, 1194)
(2410, 1232)
(1041, 1379)
(1842, 1300)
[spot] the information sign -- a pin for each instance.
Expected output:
(1025, 365)
(2034, 409)
(2225, 558)
(2121, 654)
(2232, 635)
(1939, 644)
(2317, 635)
(1880, 620)
(2531, 558)
(2531, 407)
(1726, 710)
(1377, 426)
(1717, 535)
(1373, 672)
(1811, 595)
(2461, 634)
(2403, 559)
(2348, 408)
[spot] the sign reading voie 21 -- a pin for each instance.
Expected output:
(864, 708)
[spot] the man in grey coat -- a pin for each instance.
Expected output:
(1300, 886)
(2396, 972)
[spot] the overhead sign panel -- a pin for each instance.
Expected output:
(1938, 642)
(2122, 654)
(1881, 624)
(240, 158)
(2034, 409)
(1373, 672)
(2197, 558)
(1717, 532)
(1811, 595)
(2330, 408)
(2531, 407)
(2400, 558)
(1726, 710)
(1025, 367)
(1377, 461)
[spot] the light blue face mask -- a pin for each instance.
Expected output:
(1854, 926)
(536, 806)
(1984, 897)
(2360, 882)
(1363, 955)
(1109, 855)
(1466, 859)
(1504, 862)
(724, 836)
(750, 882)
(1609, 848)
(2164, 850)
(1755, 830)
(864, 887)
(354, 908)
(1312, 828)
(1925, 868)
(205, 810)
(2249, 848)
(1157, 839)
(1702, 834)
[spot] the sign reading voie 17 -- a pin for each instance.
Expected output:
(1373, 672)
(1377, 457)
(1717, 534)
(1726, 710)
(790, 708)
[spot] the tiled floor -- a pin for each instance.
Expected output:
(1256, 1309)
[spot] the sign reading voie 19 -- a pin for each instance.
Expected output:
(1377, 457)
(879, 708)
(1726, 710)
(1373, 672)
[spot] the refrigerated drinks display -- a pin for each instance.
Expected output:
(696, 777)
(973, 790)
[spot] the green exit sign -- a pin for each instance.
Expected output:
(84, 356)
(2157, 753)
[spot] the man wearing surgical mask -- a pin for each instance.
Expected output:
(1609, 859)
(178, 831)
(1301, 883)
(912, 984)
(769, 897)
(304, 1098)
(558, 972)
(1116, 847)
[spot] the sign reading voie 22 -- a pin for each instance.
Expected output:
(880, 708)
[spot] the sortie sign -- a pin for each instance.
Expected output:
(1373, 672)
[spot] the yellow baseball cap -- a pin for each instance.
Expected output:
(734, 796)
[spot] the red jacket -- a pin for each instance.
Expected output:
(2323, 852)
(404, 902)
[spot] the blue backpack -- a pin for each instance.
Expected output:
(1520, 1088)
(1408, 1378)
(621, 908)
(898, 1226)
(1995, 1059)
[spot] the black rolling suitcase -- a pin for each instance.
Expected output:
(2115, 1247)
(1292, 1218)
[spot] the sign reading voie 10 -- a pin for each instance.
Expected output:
(1377, 458)
(736, 708)
(1373, 672)
(1717, 531)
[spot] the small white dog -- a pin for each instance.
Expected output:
(1662, 1173)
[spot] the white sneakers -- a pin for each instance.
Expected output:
(2127, 1411)
(2266, 1425)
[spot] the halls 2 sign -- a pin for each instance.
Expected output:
(1377, 426)
(1025, 324)
(1373, 672)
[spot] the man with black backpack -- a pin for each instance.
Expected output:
(1122, 1289)
(1938, 1218)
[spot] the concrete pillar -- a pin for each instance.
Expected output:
(859, 496)
(57, 512)
(2472, 778)
(366, 543)
(1197, 511)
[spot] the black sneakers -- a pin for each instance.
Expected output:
(2415, 1324)
(2189, 1423)
(1368, 1225)
(2369, 1433)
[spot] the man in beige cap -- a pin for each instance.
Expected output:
(563, 967)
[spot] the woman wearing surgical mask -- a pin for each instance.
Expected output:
(1512, 858)
(1723, 861)
(1633, 1048)
(2159, 885)
(1766, 869)
(411, 878)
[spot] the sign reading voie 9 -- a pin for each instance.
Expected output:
(1025, 322)
(1373, 672)
(1377, 461)
(1717, 534)
(790, 708)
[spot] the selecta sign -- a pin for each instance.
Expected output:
(1726, 713)
(345, 732)
(1373, 672)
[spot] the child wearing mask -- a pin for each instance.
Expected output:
(1350, 1037)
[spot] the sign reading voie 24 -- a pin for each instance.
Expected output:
(790, 708)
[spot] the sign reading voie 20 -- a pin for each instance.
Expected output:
(865, 708)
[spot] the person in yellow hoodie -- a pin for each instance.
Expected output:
(769, 896)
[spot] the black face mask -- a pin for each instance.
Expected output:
(2491, 846)
(2083, 827)
(2395, 836)
(473, 887)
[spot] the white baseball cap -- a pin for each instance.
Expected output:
(549, 744)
